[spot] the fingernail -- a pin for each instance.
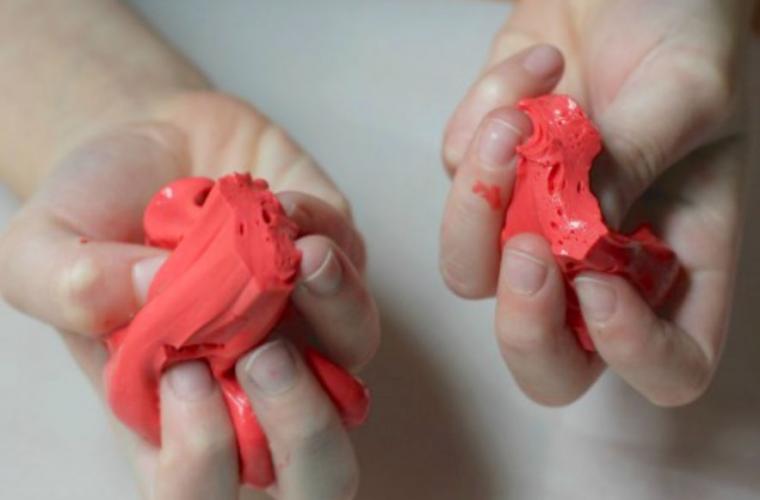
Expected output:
(272, 368)
(598, 300)
(497, 142)
(525, 275)
(542, 61)
(143, 272)
(326, 279)
(190, 381)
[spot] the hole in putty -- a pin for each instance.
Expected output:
(200, 198)
(552, 178)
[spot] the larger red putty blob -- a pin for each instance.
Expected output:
(224, 287)
(552, 197)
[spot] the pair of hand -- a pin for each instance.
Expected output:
(97, 195)
(656, 76)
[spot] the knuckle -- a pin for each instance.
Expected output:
(457, 275)
(469, 207)
(628, 351)
(523, 345)
(77, 285)
(198, 448)
(311, 431)
(517, 340)
(630, 343)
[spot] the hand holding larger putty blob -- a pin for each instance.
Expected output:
(215, 314)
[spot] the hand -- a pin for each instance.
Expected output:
(661, 81)
(73, 257)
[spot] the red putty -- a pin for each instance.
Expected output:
(224, 287)
(552, 198)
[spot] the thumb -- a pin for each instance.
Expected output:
(51, 272)
(669, 105)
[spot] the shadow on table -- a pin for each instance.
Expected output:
(416, 444)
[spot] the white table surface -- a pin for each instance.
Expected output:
(367, 87)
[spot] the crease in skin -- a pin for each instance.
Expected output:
(225, 286)
(552, 197)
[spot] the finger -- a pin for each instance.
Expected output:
(657, 358)
(691, 103)
(315, 216)
(198, 458)
(542, 353)
(68, 258)
(336, 303)
(476, 204)
(533, 71)
(312, 454)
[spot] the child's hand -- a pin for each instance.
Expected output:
(73, 257)
(658, 78)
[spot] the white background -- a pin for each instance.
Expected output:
(367, 87)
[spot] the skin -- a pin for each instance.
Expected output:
(86, 155)
(662, 80)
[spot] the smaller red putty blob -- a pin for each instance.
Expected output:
(552, 197)
(224, 287)
(491, 193)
